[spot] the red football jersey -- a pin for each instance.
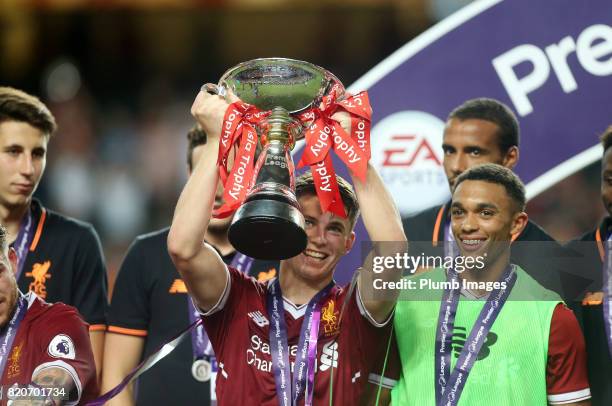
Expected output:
(51, 335)
(238, 327)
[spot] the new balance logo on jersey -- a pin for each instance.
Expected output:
(459, 337)
(259, 318)
(329, 356)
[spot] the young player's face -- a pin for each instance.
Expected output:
(8, 285)
(483, 219)
(471, 142)
(329, 238)
(606, 180)
(23, 156)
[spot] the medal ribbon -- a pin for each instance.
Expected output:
(144, 366)
(23, 241)
(450, 244)
(10, 331)
(449, 386)
(242, 263)
(303, 374)
(607, 293)
(312, 355)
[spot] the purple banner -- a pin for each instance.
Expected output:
(551, 65)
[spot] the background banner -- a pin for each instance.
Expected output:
(552, 64)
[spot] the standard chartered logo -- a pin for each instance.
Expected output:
(258, 354)
(329, 356)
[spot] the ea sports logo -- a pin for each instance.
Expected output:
(407, 151)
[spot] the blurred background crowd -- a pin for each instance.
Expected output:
(120, 76)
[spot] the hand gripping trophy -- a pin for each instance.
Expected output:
(281, 101)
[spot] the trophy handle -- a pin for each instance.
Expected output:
(214, 89)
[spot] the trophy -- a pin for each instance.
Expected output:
(269, 223)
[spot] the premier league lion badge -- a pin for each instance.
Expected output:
(61, 346)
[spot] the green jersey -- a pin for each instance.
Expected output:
(511, 365)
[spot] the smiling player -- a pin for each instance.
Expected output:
(239, 312)
(514, 345)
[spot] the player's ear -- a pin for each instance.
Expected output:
(12, 256)
(511, 157)
(349, 242)
(519, 222)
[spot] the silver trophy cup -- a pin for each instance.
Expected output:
(269, 224)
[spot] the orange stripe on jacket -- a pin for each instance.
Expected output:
(128, 331)
(600, 247)
(41, 222)
(436, 229)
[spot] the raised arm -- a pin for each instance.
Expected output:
(199, 264)
(378, 211)
(383, 223)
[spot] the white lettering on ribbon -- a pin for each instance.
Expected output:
(325, 177)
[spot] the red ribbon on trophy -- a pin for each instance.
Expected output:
(326, 134)
(323, 135)
(238, 133)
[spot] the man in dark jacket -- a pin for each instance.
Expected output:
(592, 248)
(483, 131)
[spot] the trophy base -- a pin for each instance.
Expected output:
(268, 229)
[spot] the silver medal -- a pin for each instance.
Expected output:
(201, 370)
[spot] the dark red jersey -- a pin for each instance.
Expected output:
(238, 327)
(52, 335)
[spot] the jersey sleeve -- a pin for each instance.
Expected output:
(387, 369)
(240, 290)
(64, 343)
(129, 311)
(373, 336)
(90, 285)
(566, 371)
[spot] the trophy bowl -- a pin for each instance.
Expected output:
(269, 224)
